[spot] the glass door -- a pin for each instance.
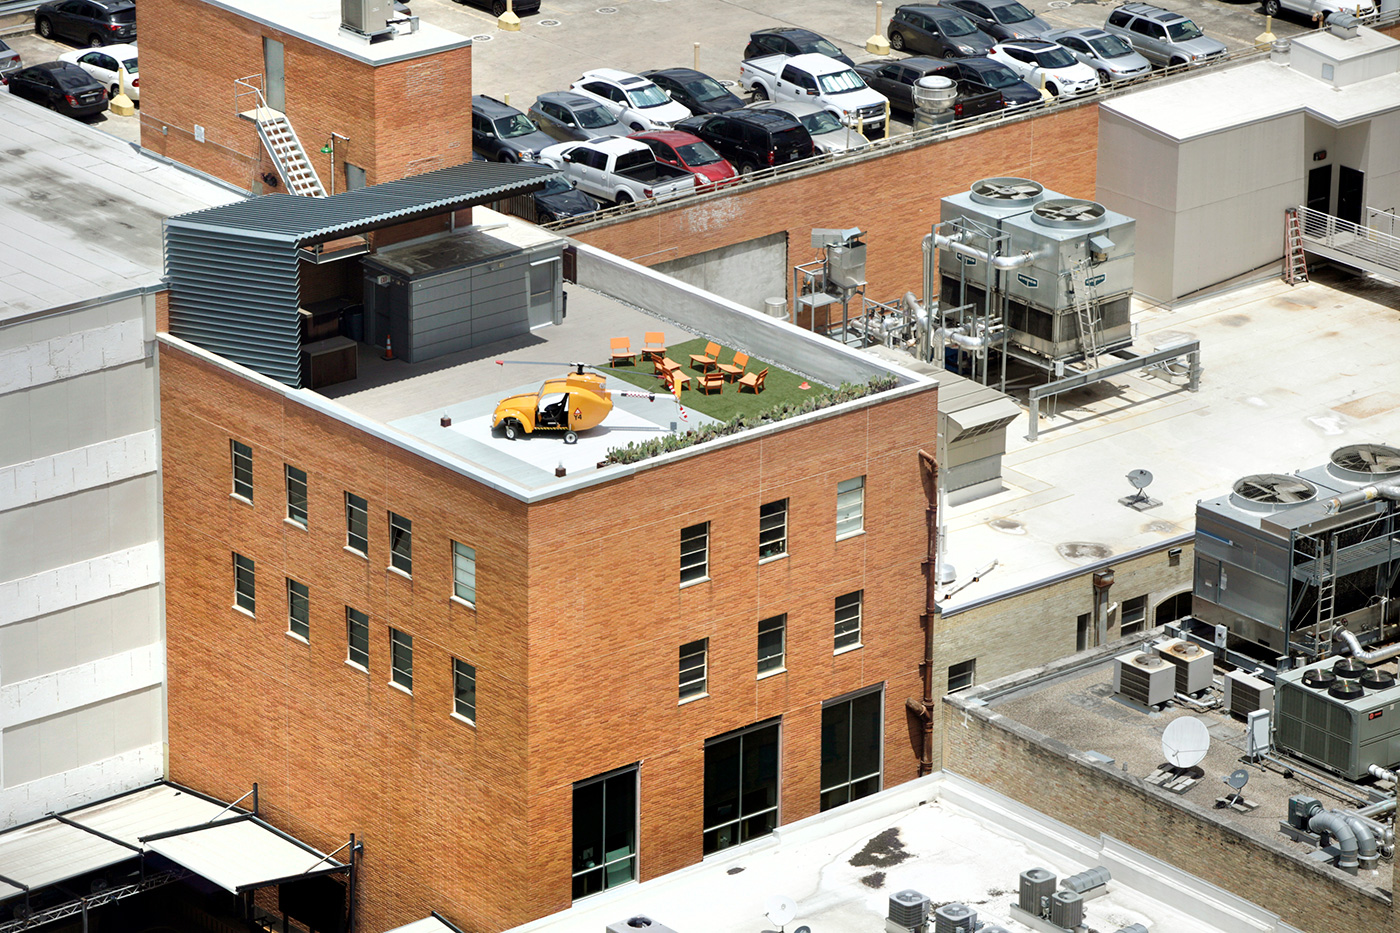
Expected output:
(741, 786)
(605, 831)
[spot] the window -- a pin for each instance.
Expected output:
(401, 658)
(357, 634)
(1173, 608)
(1134, 615)
(296, 494)
(852, 732)
(464, 572)
(1081, 632)
(401, 543)
(848, 620)
(356, 523)
(850, 506)
(692, 678)
(298, 609)
(242, 470)
(243, 584)
(772, 529)
(695, 553)
(772, 637)
(741, 787)
(605, 832)
(464, 689)
(962, 675)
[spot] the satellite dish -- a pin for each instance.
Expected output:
(1237, 778)
(780, 909)
(1185, 742)
(1140, 479)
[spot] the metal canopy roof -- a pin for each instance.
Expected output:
(299, 220)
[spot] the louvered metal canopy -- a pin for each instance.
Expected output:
(234, 271)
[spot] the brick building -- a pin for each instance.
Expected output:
(388, 109)
(518, 687)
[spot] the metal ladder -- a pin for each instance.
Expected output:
(1086, 312)
(1295, 264)
(1326, 583)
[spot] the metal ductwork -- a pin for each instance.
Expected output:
(1335, 825)
(1384, 774)
(1367, 849)
(1370, 656)
(955, 244)
(1361, 496)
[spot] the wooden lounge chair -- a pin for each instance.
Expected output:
(675, 377)
(655, 347)
(734, 371)
(711, 383)
(664, 365)
(622, 350)
(753, 381)
(703, 361)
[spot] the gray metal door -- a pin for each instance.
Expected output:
(274, 75)
(1208, 579)
(544, 290)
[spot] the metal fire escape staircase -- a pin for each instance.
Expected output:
(1368, 248)
(1086, 313)
(280, 141)
(1295, 263)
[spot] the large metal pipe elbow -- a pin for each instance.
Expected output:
(1013, 262)
(1335, 825)
(1367, 847)
(1363, 495)
(1370, 656)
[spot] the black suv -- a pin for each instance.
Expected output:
(503, 134)
(753, 139)
(790, 40)
(87, 22)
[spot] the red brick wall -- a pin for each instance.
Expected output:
(575, 639)
(893, 197)
(187, 79)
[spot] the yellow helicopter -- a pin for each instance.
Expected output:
(576, 402)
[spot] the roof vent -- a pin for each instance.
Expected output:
(1068, 213)
(1366, 462)
(1342, 25)
(1007, 192)
(1271, 492)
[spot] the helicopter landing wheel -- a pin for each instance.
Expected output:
(511, 431)
(570, 437)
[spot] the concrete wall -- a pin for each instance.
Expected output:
(81, 660)
(745, 273)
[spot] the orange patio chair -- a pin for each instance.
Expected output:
(711, 383)
(675, 377)
(703, 361)
(753, 381)
(622, 350)
(655, 347)
(734, 371)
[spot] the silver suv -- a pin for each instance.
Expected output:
(1163, 37)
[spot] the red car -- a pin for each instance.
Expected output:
(690, 153)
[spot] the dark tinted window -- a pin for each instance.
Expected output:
(794, 138)
(1118, 18)
(124, 16)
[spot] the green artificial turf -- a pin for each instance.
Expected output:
(780, 385)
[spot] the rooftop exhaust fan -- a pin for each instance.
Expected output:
(1368, 460)
(1273, 489)
(1068, 212)
(1007, 191)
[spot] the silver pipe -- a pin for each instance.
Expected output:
(1370, 656)
(1377, 771)
(1346, 500)
(955, 244)
(1304, 773)
(1335, 825)
(1367, 852)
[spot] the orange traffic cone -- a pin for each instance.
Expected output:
(388, 348)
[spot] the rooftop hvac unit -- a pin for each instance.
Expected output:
(908, 910)
(954, 918)
(1037, 884)
(1091, 879)
(1066, 910)
(1195, 666)
(638, 924)
(366, 17)
(1245, 693)
(1337, 722)
(1144, 678)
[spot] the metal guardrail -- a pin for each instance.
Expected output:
(1378, 250)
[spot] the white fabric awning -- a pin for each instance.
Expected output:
(50, 851)
(426, 925)
(241, 855)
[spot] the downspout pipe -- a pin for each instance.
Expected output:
(928, 474)
(1334, 824)
(1365, 494)
(1370, 656)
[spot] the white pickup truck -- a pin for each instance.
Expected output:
(819, 80)
(619, 169)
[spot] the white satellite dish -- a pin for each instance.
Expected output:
(1185, 742)
(780, 909)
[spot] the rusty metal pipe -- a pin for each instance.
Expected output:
(928, 472)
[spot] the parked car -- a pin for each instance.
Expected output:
(618, 169)
(560, 198)
(896, 81)
(1001, 19)
(1041, 62)
(10, 61)
(694, 90)
(497, 7)
(1320, 8)
(567, 116)
(1163, 37)
(753, 139)
(1110, 56)
(60, 86)
(828, 133)
(503, 134)
(635, 101)
(817, 79)
(998, 77)
(936, 31)
(87, 22)
(791, 40)
(103, 65)
(690, 152)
